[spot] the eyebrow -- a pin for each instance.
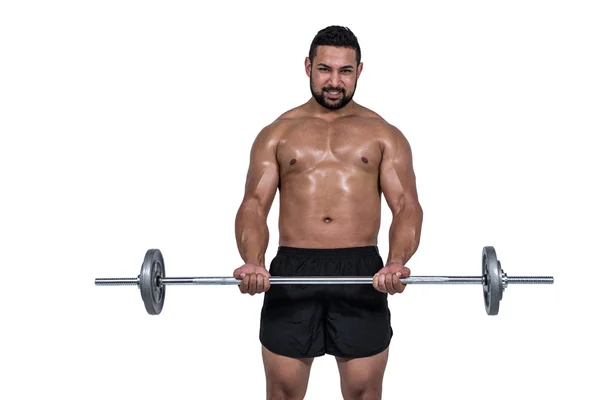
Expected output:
(344, 67)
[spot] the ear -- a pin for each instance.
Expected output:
(359, 69)
(307, 66)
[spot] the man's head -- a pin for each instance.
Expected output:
(333, 65)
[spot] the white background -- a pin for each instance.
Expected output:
(126, 125)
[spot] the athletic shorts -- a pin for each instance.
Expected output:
(343, 320)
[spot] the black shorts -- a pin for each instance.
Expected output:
(347, 321)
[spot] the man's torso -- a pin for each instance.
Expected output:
(329, 180)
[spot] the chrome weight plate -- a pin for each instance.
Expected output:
(153, 293)
(492, 276)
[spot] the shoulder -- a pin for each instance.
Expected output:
(388, 134)
(392, 135)
(271, 134)
(394, 143)
(392, 140)
(284, 123)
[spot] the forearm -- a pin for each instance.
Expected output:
(405, 233)
(252, 235)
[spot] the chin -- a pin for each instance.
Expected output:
(337, 105)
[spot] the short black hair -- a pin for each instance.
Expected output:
(334, 35)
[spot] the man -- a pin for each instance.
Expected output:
(331, 160)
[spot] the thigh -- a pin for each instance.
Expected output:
(358, 327)
(291, 322)
(360, 377)
(358, 319)
(287, 378)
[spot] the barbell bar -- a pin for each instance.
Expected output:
(152, 281)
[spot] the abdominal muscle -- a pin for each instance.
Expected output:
(329, 209)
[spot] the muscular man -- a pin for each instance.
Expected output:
(331, 160)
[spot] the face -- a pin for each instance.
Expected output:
(333, 76)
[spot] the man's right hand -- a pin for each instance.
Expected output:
(255, 278)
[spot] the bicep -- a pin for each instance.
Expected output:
(397, 176)
(262, 178)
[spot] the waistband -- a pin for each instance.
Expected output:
(336, 252)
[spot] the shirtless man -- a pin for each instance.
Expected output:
(331, 160)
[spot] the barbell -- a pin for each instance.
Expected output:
(152, 281)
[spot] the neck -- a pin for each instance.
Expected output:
(318, 110)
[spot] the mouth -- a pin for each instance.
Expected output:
(334, 94)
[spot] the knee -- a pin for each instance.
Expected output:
(281, 392)
(276, 395)
(362, 392)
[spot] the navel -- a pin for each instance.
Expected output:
(293, 161)
(327, 219)
(364, 159)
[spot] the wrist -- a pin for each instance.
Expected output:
(255, 262)
(392, 260)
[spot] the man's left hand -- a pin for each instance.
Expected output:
(387, 280)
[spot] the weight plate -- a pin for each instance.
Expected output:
(153, 294)
(492, 287)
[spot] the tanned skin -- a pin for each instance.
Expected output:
(331, 167)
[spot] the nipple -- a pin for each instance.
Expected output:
(293, 161)
(364, 159)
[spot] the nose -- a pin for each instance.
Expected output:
(335, 79)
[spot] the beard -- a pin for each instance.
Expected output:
(335, 104)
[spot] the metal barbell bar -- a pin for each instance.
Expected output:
(152, 280)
